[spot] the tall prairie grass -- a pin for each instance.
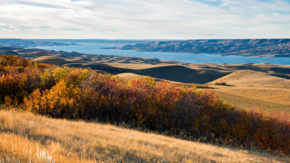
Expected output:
(21, 141)
(25, 137)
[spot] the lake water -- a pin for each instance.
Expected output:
(96, 48)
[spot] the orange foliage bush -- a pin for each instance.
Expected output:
(162, 106)
(20, 77)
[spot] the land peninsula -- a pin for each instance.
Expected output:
(232, 47)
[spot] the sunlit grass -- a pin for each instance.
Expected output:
(242, 102)
(14, 148)
(38, 138)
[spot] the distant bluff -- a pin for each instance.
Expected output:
(236, 47)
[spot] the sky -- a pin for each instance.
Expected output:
(144, 19)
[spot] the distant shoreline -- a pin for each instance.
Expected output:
(105, 48)
(224, 47)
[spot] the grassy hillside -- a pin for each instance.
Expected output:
(247, 87)
(164, 107)
(25, 137)
(247, 102)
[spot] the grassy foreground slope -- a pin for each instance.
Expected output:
(25, 136)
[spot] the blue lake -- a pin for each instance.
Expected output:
(96, 48)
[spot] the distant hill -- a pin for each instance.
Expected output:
(236, 47)
(99, 41)
(22, 43)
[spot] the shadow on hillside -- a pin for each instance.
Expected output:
(173, 73)
(182, 74)
(102, 68)
(282, 72)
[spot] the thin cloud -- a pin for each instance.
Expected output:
(224, 4)
(108, 30)
(71, 29)
(168, 19)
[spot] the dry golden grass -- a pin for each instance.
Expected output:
(26, 144)
(26, 136)
(129, 76)
(15, 148)
(247, 87)
(253, 79)
(274, 95)
(245, 102)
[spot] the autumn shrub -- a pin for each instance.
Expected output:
(164, 107)
(220, 83)
(20, 77)
(160, 106)
(15, 63)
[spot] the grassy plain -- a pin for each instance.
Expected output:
(25, 137)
